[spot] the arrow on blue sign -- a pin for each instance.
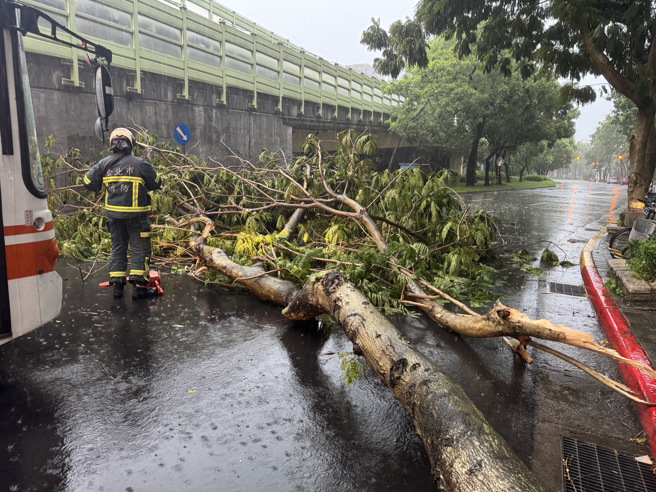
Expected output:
(182, 134)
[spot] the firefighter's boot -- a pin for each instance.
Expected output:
(143, 291)
(119, 288)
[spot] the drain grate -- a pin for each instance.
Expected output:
(567, 289)
(591, 468)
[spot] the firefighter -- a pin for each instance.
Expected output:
(127, 180)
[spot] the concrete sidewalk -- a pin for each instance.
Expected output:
(631, 330)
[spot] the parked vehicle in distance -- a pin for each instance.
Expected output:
(625, 181)
(592, 179)
(613, 180)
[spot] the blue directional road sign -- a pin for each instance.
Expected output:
(182, 134)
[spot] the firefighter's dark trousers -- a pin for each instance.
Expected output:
(134, 232)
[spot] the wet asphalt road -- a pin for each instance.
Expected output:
(208, 390)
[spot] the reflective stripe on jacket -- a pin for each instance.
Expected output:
(127, 180)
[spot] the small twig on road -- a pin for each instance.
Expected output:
(524, 245)
(105, 369)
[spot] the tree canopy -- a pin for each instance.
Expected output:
(608, 148)
(453, 102)
(568, 39)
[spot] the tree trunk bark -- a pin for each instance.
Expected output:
(506, 165)
(487, 170)
(642, 151)
(390, 166)
(642, 154)
(473, 154)
(466, 451)
(252, 278)
(294, 220)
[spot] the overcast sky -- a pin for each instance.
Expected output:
(332, 29)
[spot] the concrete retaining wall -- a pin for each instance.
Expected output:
(217, 131)
(69, 113)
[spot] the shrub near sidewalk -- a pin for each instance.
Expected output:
(536, 177)
(643, 259)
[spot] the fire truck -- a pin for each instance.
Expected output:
(30, 288)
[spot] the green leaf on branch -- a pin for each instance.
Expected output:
(352, 366)
(523, 256)
(549, 258)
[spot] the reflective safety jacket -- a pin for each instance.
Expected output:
(127, 180)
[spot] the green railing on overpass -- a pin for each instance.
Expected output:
(206, 42)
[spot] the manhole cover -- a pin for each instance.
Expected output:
(567, 289)
(591, 468)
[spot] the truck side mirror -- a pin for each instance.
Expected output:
(104, 100)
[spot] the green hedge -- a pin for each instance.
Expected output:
(535, 177)
(643, 259)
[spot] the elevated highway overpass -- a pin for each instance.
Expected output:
(239, 87)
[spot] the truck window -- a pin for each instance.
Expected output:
(5, 117)
(30, 157)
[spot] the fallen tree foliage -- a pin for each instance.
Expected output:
(402, 239)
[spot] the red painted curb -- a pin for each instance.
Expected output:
(621, 337)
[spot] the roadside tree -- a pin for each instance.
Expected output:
(534, 113)
(449, 102)
(452, 101)
(624, 115)
(527, 156)
(608, 148)
(562, 154)
(549, 161)
(569, 39)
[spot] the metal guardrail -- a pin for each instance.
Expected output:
(201, 40)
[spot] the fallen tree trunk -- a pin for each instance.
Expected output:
(252, 278)
(464, 450)
(468, 453)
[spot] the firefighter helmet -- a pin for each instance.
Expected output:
(121, 139)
